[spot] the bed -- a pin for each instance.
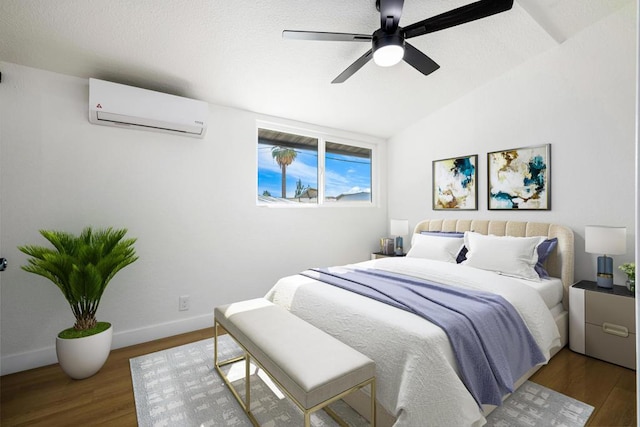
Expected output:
(418, 378)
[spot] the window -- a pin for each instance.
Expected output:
(347, 173)
(301, 168)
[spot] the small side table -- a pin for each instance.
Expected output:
(378, 255)
(602, 323)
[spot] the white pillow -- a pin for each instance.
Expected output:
(435, 247)
(511, 256)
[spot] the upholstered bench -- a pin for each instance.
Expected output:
(310, 366)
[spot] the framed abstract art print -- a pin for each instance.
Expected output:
(455, 183)
(520, 178)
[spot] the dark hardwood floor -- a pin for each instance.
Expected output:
(47, 397)
(610, 389)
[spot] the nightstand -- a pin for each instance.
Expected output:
(378, 255)
(602, 323)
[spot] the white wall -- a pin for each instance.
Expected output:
(580, 98)
(637, 201)
(190, 203)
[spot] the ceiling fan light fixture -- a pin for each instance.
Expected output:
(388, 49)
(388, 55)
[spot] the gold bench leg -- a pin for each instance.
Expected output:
(244, 403)
(247, 381)
(373, 403)
(325, 405)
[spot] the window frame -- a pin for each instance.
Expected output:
(323, 137)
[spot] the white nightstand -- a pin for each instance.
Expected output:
(378, 255)
(602, 323)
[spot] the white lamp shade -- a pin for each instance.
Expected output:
(399, 227)
(605, 240)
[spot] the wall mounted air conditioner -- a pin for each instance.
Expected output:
(113, 104)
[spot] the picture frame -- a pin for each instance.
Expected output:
(455, 183)
(519, 178)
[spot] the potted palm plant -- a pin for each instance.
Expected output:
(81, 267)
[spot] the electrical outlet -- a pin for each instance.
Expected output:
(183, 303)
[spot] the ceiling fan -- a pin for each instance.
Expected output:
(388, 45)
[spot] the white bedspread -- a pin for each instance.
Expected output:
(416, 372)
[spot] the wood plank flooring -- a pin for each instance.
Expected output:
(610, 389)
(47, 397)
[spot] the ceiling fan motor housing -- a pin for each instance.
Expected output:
(382, 38)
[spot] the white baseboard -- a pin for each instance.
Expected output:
(28, 360)
(47, 356)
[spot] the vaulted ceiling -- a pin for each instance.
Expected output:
(232, 53)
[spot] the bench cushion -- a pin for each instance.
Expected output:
(310, 364)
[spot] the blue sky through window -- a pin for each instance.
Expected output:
(344, 174)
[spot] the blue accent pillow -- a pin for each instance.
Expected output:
(462, 255)
(544, 250)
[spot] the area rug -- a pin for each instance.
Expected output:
(180, 386)
(533, 405)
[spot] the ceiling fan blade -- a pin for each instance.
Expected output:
(419, 60)
(390, 12)
(319, 35)
(461, 15)
(351, 69)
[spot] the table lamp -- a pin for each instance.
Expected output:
(605, 241)
(399, 228)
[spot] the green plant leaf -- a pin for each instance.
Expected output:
(81, 266)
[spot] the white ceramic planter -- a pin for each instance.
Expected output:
(83, 357)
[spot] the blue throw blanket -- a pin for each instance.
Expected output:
(492, 345)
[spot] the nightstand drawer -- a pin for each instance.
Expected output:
(603, 308)
(610, 347)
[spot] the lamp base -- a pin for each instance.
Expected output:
(398, 245)
(604, 281)
(605, 272)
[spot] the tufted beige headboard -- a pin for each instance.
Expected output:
(560, 262)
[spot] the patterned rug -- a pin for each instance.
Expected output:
(534, 405)
(180, 386)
